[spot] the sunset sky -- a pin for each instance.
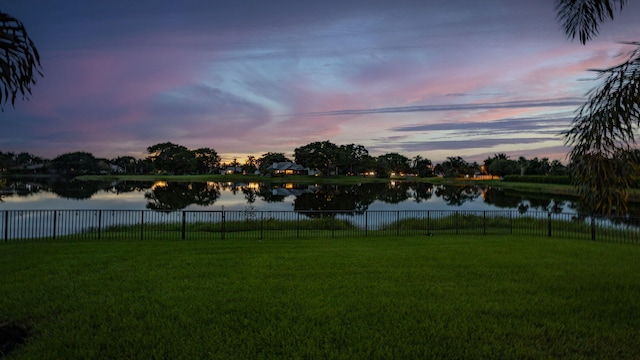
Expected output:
(432, 78)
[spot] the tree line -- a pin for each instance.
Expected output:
(323, 157)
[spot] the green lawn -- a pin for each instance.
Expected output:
(473, 297)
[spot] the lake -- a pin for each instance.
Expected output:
(68, 194)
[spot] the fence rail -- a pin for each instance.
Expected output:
(221, 224)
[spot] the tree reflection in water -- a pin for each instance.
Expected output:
(179, 195)
(348, 199)
(75, 189)
(123, 187)
(356, 199)
(524, 203)
(458, 195)
(249, 194)
(501, 199)
(422, 192)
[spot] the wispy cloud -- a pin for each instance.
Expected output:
(517, 125)
(566, 102)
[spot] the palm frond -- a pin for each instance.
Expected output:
(603, 135)
(582, 18)
(19, 61)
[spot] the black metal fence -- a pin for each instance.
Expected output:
(223, 224)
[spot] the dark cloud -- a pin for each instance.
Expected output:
(452, 145)
(457, 107)
(535, 124)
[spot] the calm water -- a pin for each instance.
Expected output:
(60, 194)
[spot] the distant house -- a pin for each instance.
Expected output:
(116, 169)
(288, 168)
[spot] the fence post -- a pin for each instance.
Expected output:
(549, 223)
(456, 218)
(55, 220)
(397, 223)
(6, 226)
(593, 229)
(222, 224)
(511, 222)
(428, 222)
(484, 223)
(261, 224)
(333, 225)
(142, 225)
(99, 224)
(184, 223)
(366, 223)
(297, 225)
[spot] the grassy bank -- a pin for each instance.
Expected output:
(352, 298)
(522, 187)
(558, 189)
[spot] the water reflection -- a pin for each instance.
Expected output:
(346, 199)
(123, 187)
(499, 198)
(349, 199)
(458, 195)
(178, 195)
(422, 192)
(78, 190)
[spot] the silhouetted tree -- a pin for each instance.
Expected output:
(250, 165)
(392, 163)
(168, 157)
(206, 160)
(455, 166)
(352, 159)
(75, 163)
(422, 167)
(321, 155)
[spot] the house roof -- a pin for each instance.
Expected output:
(285, 166)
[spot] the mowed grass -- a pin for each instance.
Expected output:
(349, 298)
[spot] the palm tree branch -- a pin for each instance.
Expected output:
(603, 136)
(582, 18)
(611, 116)
(19, 60)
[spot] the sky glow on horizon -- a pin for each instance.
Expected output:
(246, 77)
